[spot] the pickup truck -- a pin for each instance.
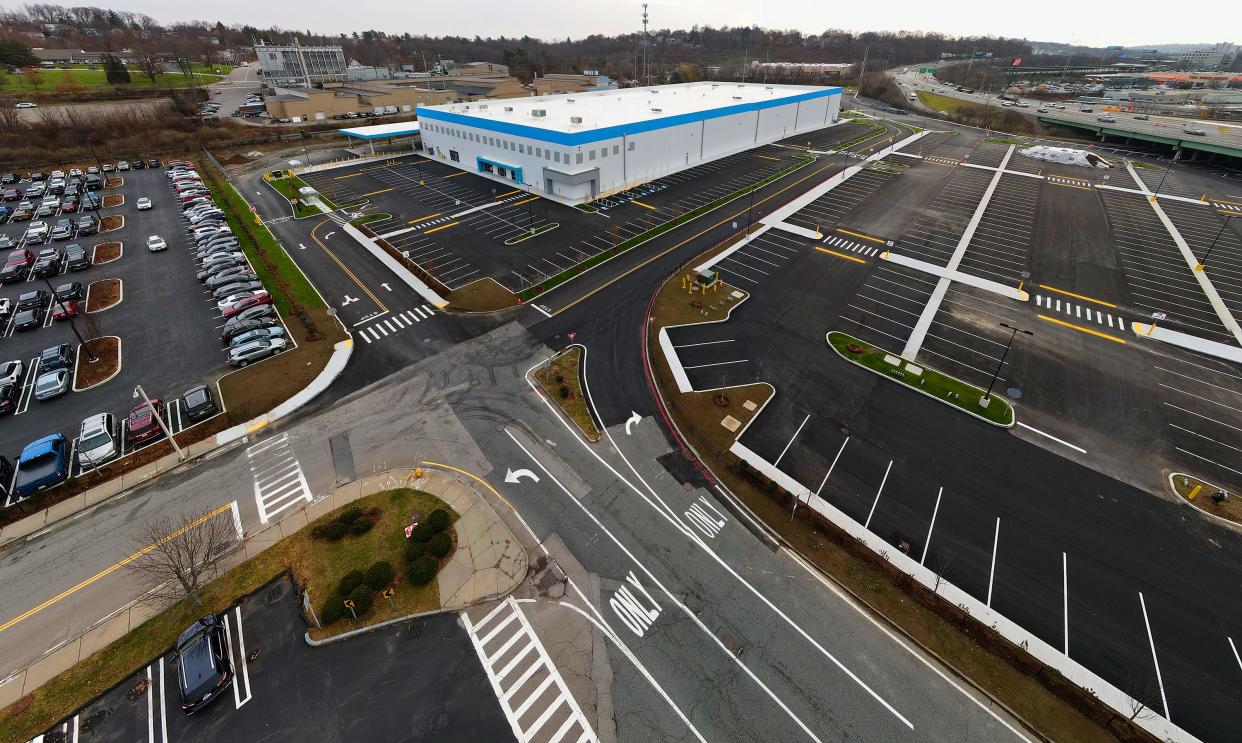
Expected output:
(43, 463)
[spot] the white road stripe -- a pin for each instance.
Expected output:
(1156, 661)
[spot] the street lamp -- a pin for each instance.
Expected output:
(1223, 227)
(1161, 183)
(140, 392)
(90, 355)
(987, 396)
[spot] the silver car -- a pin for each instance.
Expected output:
(255, 350)
(52, 384)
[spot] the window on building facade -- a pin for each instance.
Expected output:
(454, 156)
(616, 149)
(591, 153)
(578, 159)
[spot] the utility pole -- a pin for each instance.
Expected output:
(646, 69)
(862, 71)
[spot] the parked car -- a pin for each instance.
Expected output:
(29, 319)
(6, 307)
(56, 357)
(142, 423)
(63, 229)
(99, 440)
(248, 303)
(143, 204)
(64, 310)
(76, 258)
(10, 396)
(51, 384)
(43, 463)
(255, 350)
(226, 302)
(88, 224)
(37, 232)
(71, 291)
(30, 299)
(10, 194)
(232, 330)
(269, 331)
(222, 277)
(11, 273)
(153, 163)
(11, 372)
(262, 312)
(236, 287)
(68, 205)
(198, 403)
(203, 668)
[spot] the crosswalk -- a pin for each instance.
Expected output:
(843, 244)
(1228, 206)
(526, 682)
(940, 160)
(394, 323)
(279, 482)
(1074, 182)
(1080, 312)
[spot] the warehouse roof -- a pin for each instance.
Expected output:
(595, 115)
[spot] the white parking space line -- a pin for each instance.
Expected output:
(832, 466)
(239, 659)
(1234, 648)
(1065, 600)
(1155, 661)
(932, 525)
(992, 569)
(791, 440)
(878, 490)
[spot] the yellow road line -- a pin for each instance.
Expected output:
(1227, 201)
(693, 237)
(382, 190)
(441, 227)
(523, 201)
(1080, 328)
(765, 157)
(860, 236)
(645, 206)
(472, 476)
(1070, 185)
(1228, 214)
(113, 568)
(1083, 297)
(344, 268)
(454, 175)
(840, 255)
(351, 175)
(424, 219)
(510, 193)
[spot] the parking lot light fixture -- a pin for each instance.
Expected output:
(987, 396)
(140, 392)
(1223, 227)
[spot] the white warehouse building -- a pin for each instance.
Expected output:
(573, 148)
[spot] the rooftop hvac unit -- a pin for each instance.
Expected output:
(657, 110)
(539, 113)
(569, 100)
(575, 119)
(508, 108)
(737, 97)
(482, 106)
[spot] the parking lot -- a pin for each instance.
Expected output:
(168, 325)
(419, 680)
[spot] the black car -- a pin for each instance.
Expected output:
(92, 182)
(28, 300)
(56, 357)
(153, 163)
(136, 164)
(29, 319)
(87, 223)
(9, 395)
(37, 176)
(71, 291)
(90, 202)
(9, 274)
(203, 669)
(236, 287)
(46, 267)
(198, 403)
(75, 258)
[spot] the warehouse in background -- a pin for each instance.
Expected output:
(573, 148)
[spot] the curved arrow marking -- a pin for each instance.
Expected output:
(633, 420)
(517, 475)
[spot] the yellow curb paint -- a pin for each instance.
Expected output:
(1083, 297)
(441, 227)
(860, 236)
(1081, 329)
(840, 255)
(645, 206)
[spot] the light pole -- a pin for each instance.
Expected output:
(987, 396)
(90, 355)
(1161, 183)
(140, 392)
(1223, 227)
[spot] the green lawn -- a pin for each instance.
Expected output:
(288, 187)
(52, 81)
(931, 382)
(944, 103)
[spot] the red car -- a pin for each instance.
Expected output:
(141, 425)
(20, 257)
(64, 310)
(247, 303)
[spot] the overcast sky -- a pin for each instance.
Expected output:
(1072, 21)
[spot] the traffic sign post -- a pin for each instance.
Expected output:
(350, 605)
(1156, 316)
(388, 594)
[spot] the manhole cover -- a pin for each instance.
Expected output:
(1014, 392)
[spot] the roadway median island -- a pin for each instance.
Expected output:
(1030, 691)
(942, 387)
(560, 378)
(1199, 493)
(288, 187)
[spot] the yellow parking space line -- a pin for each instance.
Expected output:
(424, 219)
(766, 157)
(1081, 329)
(114, 567)
(351, 175)
(509, 193)
(523, 201)
(1083, 297)
(645, 206)
(382, 190)
(840, 255)
(345, 268)
(860, 236)
(454, 175)
(441, 227)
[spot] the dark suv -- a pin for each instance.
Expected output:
(87, 224)
(56, 357)
(203, 669)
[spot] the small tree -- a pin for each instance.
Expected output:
(16, 54)
(149, 65)
(176, 556)
(114, 69)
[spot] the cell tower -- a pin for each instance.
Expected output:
(646, 74)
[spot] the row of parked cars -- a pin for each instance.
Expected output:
(31, 309)
(252, 329)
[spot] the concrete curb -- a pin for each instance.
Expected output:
(350, 161)
(393, 265)
(1219, 519)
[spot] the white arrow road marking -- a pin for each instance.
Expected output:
(386, 286)
(634, 419)
(301, 246)
(517, 475)
(330, 234)
(348, 300)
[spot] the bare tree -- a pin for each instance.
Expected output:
(176, 556)
(148, 64)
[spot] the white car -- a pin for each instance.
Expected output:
(11, 372)
(27, 104)
(98, 440)
(155, 243)
(143, 204)
(6, 309)
(75, 172)
(224, 304)
(122, 165)
(1195, 130)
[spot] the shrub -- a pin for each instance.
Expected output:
(363, 597)
(361, 525)
(350, 581)
(564, 392)
(439, 520)
(440, 544)
(422, 532)
(320, 531)
(422, 570)
(331, 610)
(350, 515)
(335, 530)
(414, 550)
(379, 575)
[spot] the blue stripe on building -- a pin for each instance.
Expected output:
(571, 139)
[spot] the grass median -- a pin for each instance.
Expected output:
(949, 390)
(560, 379)
(288, 187)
